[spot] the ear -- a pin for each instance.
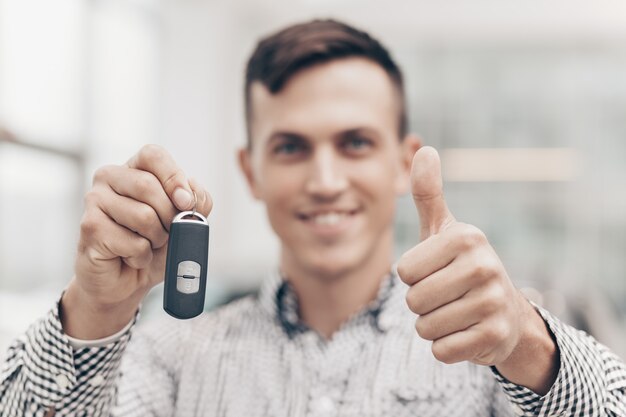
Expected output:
(410, 144)
(245, 164)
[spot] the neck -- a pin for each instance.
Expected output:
(328, 299)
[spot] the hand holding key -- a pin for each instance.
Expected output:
(123, 240)
(465, 301)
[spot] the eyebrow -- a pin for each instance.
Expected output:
(359, 131)
(287, 135)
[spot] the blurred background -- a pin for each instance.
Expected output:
(526, 101)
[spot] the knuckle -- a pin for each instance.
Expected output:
(91, 198)
(89, 225)
(402, 269)
(87, 257)
(146, 216)
(139, 260)
(472, 236)
(410, 301)
(442, 353)
(143, 248)
(145, 181)
(496, 332)
(486, 268)
(414, 300)
(503, 331)
(490, 305)
(424, 328)
(151, 152)
(498, 296)
(146, 249)
(102, 174)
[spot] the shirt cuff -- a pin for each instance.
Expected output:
(579, 384)
(80, 343)
(66, 378)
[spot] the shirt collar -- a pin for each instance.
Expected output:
(278, 298)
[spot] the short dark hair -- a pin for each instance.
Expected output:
(281, 55)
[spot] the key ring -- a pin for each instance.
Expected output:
(196, 217)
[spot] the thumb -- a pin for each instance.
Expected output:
(427, 189)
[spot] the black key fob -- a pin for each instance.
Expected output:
(186, 266)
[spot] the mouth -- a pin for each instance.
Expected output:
(334, 220)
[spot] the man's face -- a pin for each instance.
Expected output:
(327, 162)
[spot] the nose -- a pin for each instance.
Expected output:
(327, 178)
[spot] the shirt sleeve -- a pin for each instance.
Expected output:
(591, 380)
(43, 375)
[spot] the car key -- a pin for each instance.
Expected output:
(186, 265)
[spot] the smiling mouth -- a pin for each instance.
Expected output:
(327, 218)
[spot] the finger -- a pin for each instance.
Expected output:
(486, 343)
(450, 318)
(157, 266)
(134, 215)
(459, 346)
(440, 288)
(104, 240)
(427, 189)
(138, 185)
(204, 201)
(158, 161)
(429, 256)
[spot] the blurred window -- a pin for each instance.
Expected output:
(38, 217)
(78, 89)
(564, 103)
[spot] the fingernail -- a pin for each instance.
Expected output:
(182, 198)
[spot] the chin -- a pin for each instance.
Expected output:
(329, 272)
(331, 265)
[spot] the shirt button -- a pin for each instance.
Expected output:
(385, 321)
(62, 381)
(96, 381)
(291, 317)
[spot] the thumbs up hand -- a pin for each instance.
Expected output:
(465, 302)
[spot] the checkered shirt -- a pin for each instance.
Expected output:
(254, 357)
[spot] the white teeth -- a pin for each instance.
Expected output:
(328, 218)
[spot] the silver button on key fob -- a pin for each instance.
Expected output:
(186, 266)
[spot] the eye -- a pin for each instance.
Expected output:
(288, 148)
(357, 144)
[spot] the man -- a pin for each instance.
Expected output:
(330, 334)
